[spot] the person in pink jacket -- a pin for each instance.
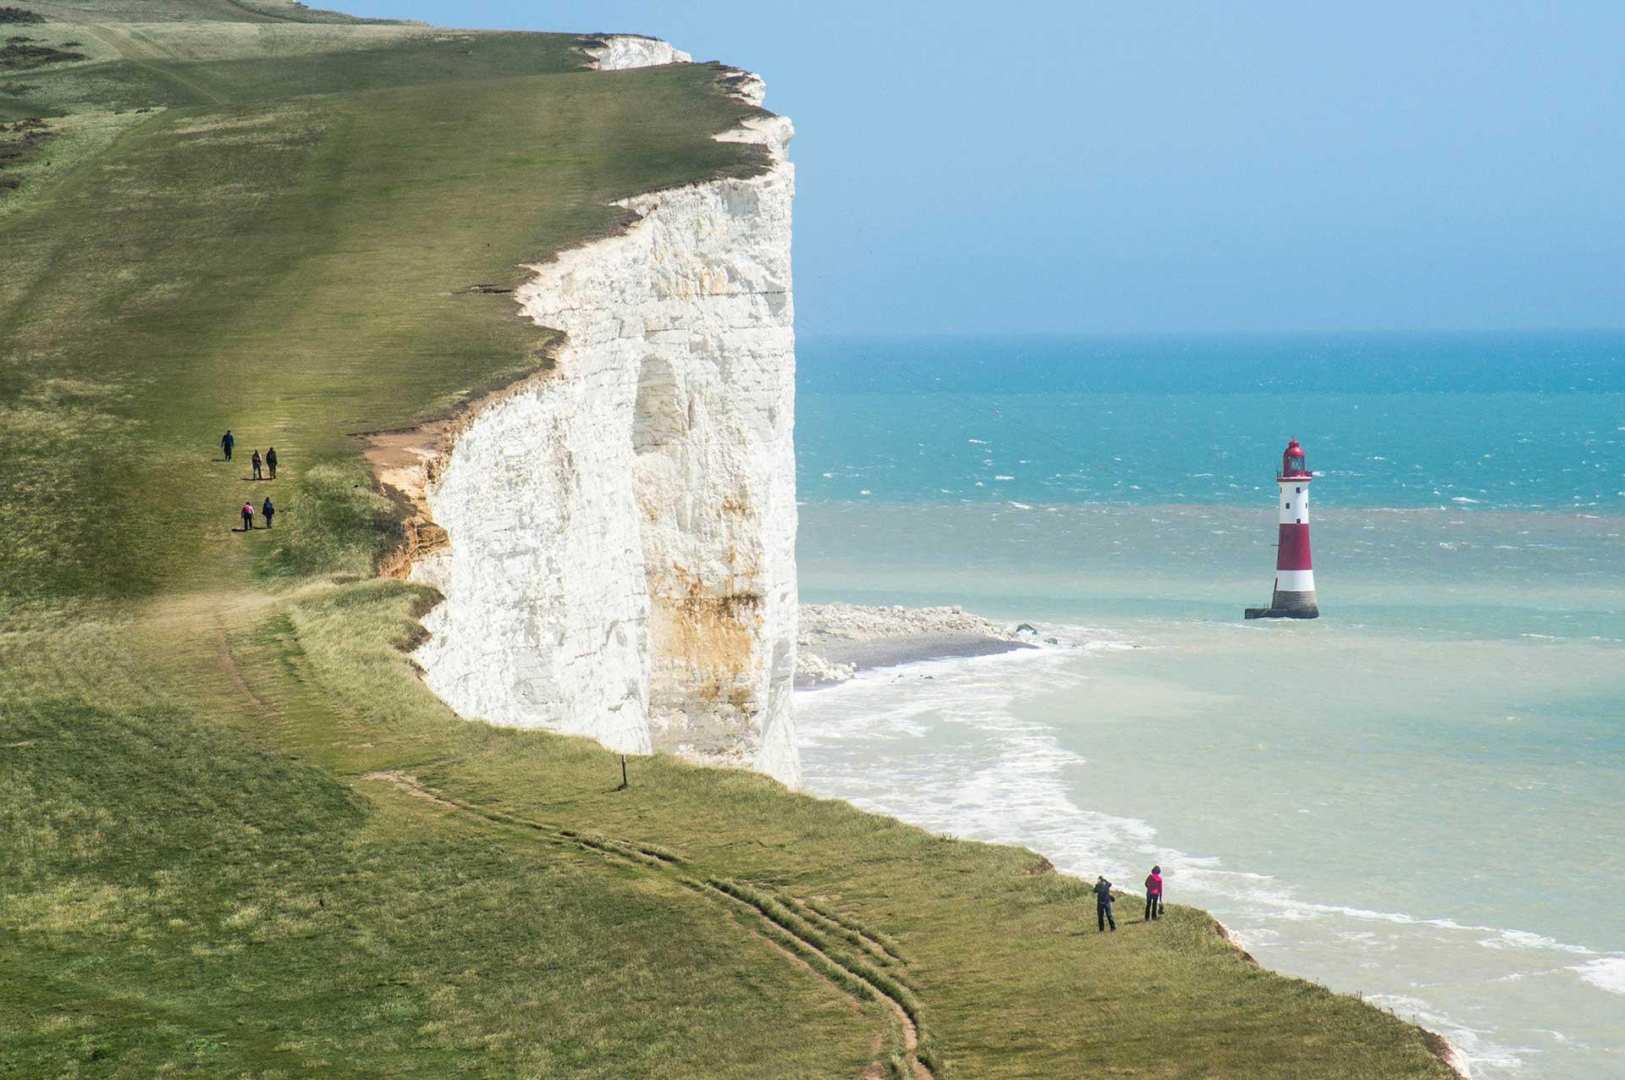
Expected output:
(1153, 894)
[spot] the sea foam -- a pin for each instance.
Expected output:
(947, 745)
(1605, 973)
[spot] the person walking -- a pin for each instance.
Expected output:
(1103, 905)
(1153, 894)
(268, 510)
(255, 461)
(270, 462)
(227, 441)
(248, 516)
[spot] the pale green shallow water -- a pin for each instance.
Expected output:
(1419, 797)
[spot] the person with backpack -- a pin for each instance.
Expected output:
(268, 510)
(248, 516)
(227, 441)
(270, 461)
(1153, 894)
(1103, 905)
(255, 461)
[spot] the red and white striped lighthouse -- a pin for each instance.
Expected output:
(1294, 595)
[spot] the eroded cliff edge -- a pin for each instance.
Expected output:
(615, 539)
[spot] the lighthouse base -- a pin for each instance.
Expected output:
(1287, 605)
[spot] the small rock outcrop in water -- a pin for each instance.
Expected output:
(616, 537)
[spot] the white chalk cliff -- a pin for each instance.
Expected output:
(621, 51)
(620, 555)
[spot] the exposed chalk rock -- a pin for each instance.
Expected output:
(621, 51)
(836, 641)
(814, 670)
(619, 555)
(858, 622)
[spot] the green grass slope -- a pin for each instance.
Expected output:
(238, 836)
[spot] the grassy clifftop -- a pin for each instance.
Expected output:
(239, 837)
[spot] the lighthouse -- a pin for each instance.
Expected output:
(1294, 595)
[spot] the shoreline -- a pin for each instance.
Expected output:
(835, 642)
(840, 641)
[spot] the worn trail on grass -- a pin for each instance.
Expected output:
(791, 925)
(146, 56)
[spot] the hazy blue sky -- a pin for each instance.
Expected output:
(1175, 166)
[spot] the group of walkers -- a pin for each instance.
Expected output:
(1104, 898)
(261, 466)
(269, 462)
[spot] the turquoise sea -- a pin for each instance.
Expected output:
(1420, 797)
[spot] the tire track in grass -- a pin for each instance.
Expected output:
(149, 59)
(876, 945)
(786, 923)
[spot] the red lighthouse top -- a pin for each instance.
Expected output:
(1292, 464)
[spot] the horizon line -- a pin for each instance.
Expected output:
(1529, 331)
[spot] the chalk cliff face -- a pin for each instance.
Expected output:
(621, 51)
(621, 530)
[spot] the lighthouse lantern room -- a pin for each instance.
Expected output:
(1294, 594)
(1292, 462)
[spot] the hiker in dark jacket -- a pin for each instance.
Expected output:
(248, 516)
(255, 461)
(268, 510)
(270, 461)
(1103, 905)
(227, 441)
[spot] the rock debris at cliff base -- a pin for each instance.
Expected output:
(836, 641)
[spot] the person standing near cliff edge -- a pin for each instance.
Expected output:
(1103, 905)
(1153, 894)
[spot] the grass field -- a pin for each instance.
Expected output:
(238, 837)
